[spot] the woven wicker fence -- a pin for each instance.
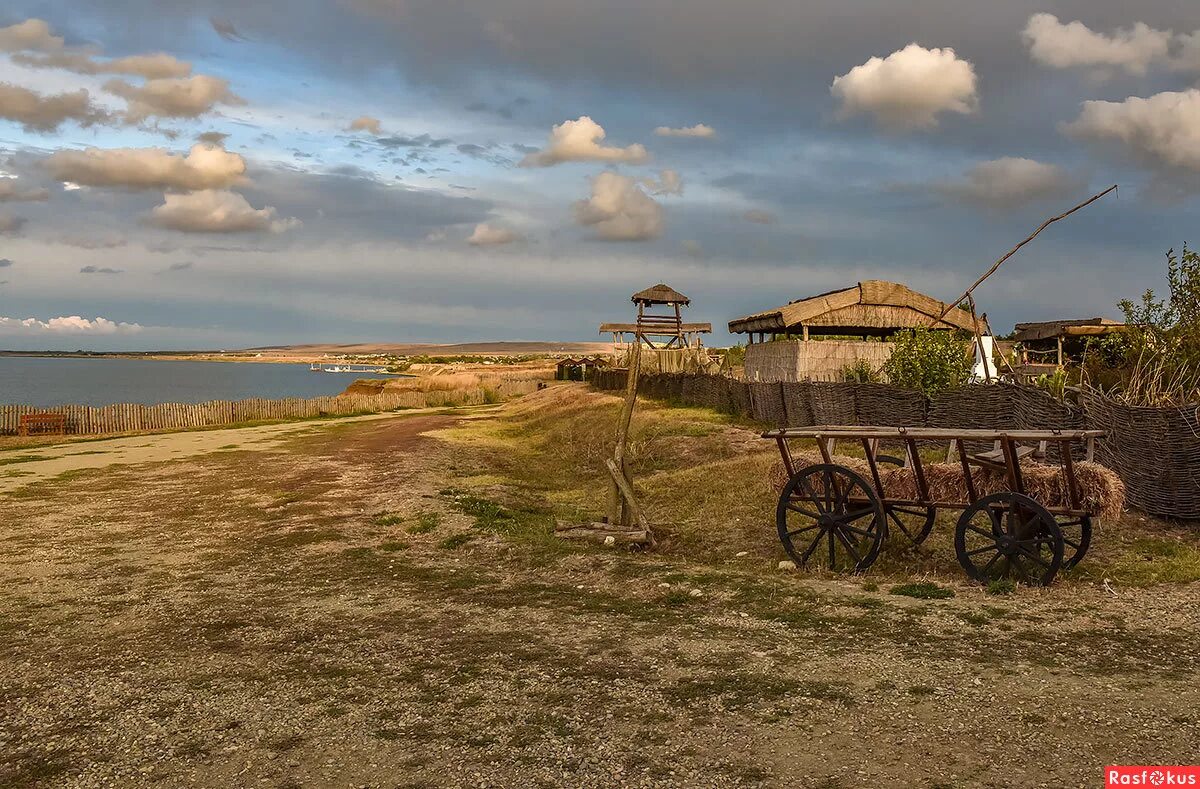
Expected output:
(135, 417)
(1156, 451)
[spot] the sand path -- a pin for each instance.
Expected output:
(20, 467)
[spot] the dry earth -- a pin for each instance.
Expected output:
(322, 609)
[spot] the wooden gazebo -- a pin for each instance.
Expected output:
(1048, 345)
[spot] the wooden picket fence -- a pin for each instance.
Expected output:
(135, 417)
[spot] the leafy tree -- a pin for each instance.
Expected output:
(929, 360)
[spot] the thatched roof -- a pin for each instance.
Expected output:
(1083, 327)
(660, 294)
(870, 307)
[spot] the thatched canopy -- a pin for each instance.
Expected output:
(660, 294)
(873, 307)
(1083, 327)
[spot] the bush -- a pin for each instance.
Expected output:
(929, 361)
(1164, 338)
(861, 372)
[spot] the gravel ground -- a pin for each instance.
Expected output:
(319, 612)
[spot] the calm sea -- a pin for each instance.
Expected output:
(66, 381)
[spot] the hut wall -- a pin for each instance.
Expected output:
(819, 359)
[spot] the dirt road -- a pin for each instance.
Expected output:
(343, 605)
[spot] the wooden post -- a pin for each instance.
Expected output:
(1060, 355)
(983, 354)
(617, 513)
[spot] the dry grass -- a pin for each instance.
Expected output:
(706, 484)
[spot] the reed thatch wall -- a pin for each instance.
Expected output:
(797, 360)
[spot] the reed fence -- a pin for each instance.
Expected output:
(135, 417)
(1155, 451)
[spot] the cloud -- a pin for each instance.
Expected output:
(183, 266)
(32, 34)
(619, 210)
(173, 98)
(204, 167)
(99, 270)
(11, 192)
(72, 324)
(225, 29)
(104, 242)
(157, 65)
(487, 235)
(580, 141)
(759, 217)
(11, 225)
(366, 123)
(1008, 183)
(1188, 58)
(1161, 132)
(699, 130)
(907, 89)
(669, 183)
(5, 262)
(1059, 45)
(212, 211)
(45, 113)
(212, 138)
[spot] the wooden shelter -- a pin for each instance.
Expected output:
(1048, 345)
(831, 331)
(579, 369)
(663, 329)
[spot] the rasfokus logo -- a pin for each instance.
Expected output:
(1159, 775)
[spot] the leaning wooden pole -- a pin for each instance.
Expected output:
(617, 513)
(955, 302)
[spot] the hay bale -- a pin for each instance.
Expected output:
(1101, 490)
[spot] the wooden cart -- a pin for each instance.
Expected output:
(831, 516)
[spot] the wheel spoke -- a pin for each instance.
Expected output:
(812, 547)
(990, 535)
(870, 535)
(849, 547)
(802, 511)
(1014, 562)
(896, 519)
(988, 566)
(1035, 557)
(802, 530)
(812, 495)
(856, 515)
(832, 552)
(981, 550)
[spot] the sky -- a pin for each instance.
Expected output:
(186, 174)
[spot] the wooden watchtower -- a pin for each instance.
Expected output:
(659, 330)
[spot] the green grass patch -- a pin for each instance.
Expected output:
(426, 522)
(23, 459)
(455, 541)
(1001, 586)
(922, 590)
(389, 519)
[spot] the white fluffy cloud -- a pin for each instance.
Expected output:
(214, 211)
(11, 191)
(204, 167)
(173, 98)
(1072, 44)
(1010, 182)
(581, 141)
(699, 130)
(67, 324)
(32, 34)
(669, 182)
(366, 123)
(619, 210)
(908, 88)
(1162, 132)
(45, 113)
(486, 235)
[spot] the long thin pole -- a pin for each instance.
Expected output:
(955, 302)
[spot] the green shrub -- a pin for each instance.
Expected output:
(1164, 338)
(1001, 586)
(928, 360)
(861, 372)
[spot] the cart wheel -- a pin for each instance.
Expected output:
(914, 522)
(1009, 535)
(1077, 536)
(832, 505)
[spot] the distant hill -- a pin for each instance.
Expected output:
(435, 349)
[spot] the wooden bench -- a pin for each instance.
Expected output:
(43, 424)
